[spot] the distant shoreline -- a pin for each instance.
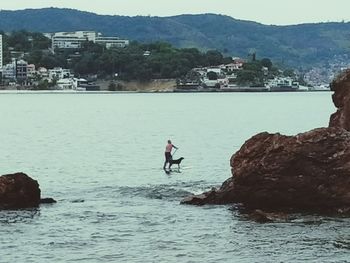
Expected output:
(140, 91)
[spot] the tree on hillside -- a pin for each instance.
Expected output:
(211, 75)
(19, 40)
(137, 61)
(266, 62)
(289, 73)
(213, 58)
(39, 41)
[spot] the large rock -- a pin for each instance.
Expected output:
(341, 99)
(309, 171)
(18, 191)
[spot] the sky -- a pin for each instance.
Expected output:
(276, 12)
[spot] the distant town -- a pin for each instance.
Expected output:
(89, 61)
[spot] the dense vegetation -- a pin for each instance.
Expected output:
(19, 42)
(141, 61)
(158, 60)
(298, 45)
(135, 62)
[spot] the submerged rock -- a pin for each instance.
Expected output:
(222, 195)
(260, 216)
(18, 190)
(309, 171)
(47, 200)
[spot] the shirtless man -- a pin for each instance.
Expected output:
(168, 148)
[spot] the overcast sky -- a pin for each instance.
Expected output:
(278, 12)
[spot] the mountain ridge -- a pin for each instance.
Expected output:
(295, 45)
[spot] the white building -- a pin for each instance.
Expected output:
(65, 84)
(110, 42)
(43, 72)
(59, 73)
(30, 70)
(1, 63)
(233, 67)
(9, 70)
(78, 83)
(88, 35)
(72, 39)
(66, 42)
(283, 83)
(75, 39)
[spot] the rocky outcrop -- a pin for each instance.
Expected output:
(219, 196)
(309, 171)
(18, 191)
(341, 99)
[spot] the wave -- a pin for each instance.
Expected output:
(18, 216)
(171, 192)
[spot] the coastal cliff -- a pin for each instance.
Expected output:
(306, 172)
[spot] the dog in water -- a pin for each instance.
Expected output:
(176, 161)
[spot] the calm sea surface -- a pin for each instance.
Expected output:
(101, 155)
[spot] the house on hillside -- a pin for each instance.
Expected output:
(217, 70)
(16, 70)
(30, 70)
(43, 72)
(65, 84)
(21, 70)
(59, 73)
(231, 67)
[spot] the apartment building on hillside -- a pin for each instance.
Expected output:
(74, 40)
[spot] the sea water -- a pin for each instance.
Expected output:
(101, 156)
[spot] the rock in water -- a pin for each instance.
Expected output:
(309, 171)
(17, 191)
(341, 100)
(47, 200)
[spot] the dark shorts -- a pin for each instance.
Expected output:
(168, 157)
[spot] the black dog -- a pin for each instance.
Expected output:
(176, 161)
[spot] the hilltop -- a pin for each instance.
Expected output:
(297, 45)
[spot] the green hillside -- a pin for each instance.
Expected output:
(297, 45)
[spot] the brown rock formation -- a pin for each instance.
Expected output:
(18, 191)
(309, 171)
(341, 99)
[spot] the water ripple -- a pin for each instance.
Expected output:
(18, 216)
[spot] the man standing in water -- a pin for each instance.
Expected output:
(168, 149)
